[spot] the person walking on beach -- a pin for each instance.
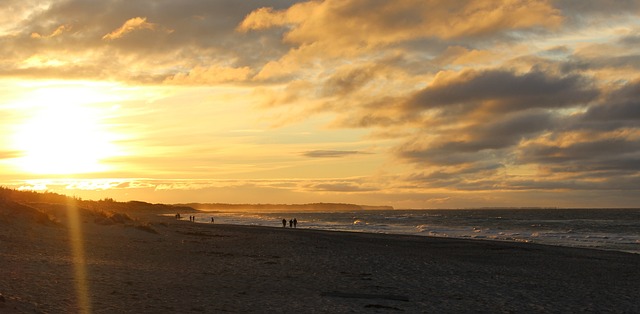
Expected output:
(295, 223)
(284, 223)
(212, 220)
(291, 223)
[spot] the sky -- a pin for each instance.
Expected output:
(406, 103)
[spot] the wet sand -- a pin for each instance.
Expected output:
(161, 265)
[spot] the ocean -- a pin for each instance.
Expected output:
(606, 229)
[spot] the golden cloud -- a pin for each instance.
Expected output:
(129, 26)
(57, 32)
(210, 75)
(357, 21)
(261, 19)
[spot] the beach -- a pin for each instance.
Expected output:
(148, 263)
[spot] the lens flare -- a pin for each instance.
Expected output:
(79, 260)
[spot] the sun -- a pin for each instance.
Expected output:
(63, 131)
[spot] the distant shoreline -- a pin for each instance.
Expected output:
(342, 207)
(311, 207)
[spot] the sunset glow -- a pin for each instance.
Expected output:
(61, 132)
(413, 104)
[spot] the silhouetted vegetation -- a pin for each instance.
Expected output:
(49, 208)
(32, 196)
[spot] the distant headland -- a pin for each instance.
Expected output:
(320, 207)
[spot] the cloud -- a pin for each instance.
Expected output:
(211, 75)
(326, 185)
(263, 18)
(618, 110)
(631, 39)
(342, 187)
(131, 25)
(566, 130)
(584, 9)
(504, 91)
(379, 22)
(14, 14)
(278, 39)
(347, 81)
(478, 141)
(470, 126)
(476, 177)
(459, 55)
(153, 41)
(57, 32)
(351, 29)
(331, 153)
(583, 152)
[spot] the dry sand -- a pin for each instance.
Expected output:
(204, 268)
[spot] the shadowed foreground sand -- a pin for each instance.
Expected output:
(186, 267)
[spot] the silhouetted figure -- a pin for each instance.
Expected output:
(212, 220)
(284, 223)
(291, 223)
(295, 223)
